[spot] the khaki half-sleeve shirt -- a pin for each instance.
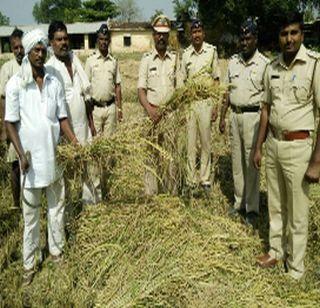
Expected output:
(193, 62)
(246, 79)
(7, 71)
(293, 92)
(103, 73)
(158, 76)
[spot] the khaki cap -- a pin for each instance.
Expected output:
(161, 24)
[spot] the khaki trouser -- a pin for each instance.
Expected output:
(243, 133)
(288, 201)
(105, 122)
(55, 194)
(199, 125)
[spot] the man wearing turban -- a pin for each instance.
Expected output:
(35, 114)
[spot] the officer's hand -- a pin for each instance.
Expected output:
(119, 115)
(214, 115)
(24, 164)
(154, 114)
(256, 158)
(312, 173)
(89, 105)
(222, 126)
(93, 131)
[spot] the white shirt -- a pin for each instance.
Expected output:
(74, 92)
(37, 114)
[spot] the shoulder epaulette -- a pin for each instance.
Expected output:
(264, 58)
(92, 54)
(313, 54)
(209, 45)
(234, 57)
(146, 54)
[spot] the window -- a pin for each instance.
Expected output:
(127, 40)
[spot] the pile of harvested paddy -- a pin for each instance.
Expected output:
(161, 252)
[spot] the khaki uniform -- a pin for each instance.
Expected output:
(245, 91)
(293, 94)
(199, 118)
(158, 77)
(103, 73)
(7, 71)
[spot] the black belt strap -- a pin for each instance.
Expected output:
(104, 103)
(242, 109)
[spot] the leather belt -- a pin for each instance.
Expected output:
(104, 103)
(289, 135)
(243, 109)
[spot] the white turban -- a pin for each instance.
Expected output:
(30, 40)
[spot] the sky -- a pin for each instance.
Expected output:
(20, 11)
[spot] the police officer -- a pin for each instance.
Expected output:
(103, 72)
(198, 56)
(245, 77)
(157, 81)
(7, 71)
(292, 94)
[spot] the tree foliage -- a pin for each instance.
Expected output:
(128, 10)
(221, 16)
(97, 10)
(47, 10)
(184, 10)
(4, 20)
(74, 10)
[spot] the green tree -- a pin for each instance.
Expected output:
(185, 10)
(97, 10)
(4, 20)
(128, 10)
(221, 16)
(47, 10)
(155, 14)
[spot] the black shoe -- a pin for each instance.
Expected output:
(252, 219)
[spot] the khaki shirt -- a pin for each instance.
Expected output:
(246, 79)
(158, 76)
(7, 71)
(193, 61)
(293, 92)
(103, 73)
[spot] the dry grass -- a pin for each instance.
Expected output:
(164, 251)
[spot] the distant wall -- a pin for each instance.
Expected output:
(122, 41)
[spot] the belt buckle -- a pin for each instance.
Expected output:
(279, 135)
(283, 135)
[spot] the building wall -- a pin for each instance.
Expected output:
(140, 41)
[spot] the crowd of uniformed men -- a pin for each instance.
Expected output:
(272, 102)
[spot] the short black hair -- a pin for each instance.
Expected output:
(55, 26)
(293, 17)
(16, 33)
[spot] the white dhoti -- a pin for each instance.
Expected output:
(55, 194)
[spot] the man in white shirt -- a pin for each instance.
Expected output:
(68, 69)
(35, 114)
